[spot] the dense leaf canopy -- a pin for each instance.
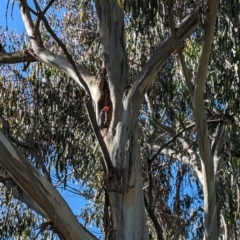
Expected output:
(48, 122)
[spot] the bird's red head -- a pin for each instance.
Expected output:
(105, 109)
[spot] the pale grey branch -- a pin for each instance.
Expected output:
(17, 192)
(210, 202)
(83, 77)
(41, 191)
(153, 66)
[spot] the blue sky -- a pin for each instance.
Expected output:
(13, 21)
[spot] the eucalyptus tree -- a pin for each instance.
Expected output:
(81, 56)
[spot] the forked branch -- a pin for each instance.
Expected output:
(64, 64)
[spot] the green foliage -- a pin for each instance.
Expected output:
(45, 110)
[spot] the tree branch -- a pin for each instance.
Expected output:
(198, 102)
(159, 57)
(192, 160)
(17, 57)
(25, 145)
(154, 219)
(218, 147)
(17, 192)
(179, 51)
(111, 25)
(86, 80)
(42, 192)
(66, 65)
(210, 202)
(107, 164)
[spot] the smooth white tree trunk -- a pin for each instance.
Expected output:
(126, 194)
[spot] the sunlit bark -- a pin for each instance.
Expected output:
(124, 182)
(42, 192)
